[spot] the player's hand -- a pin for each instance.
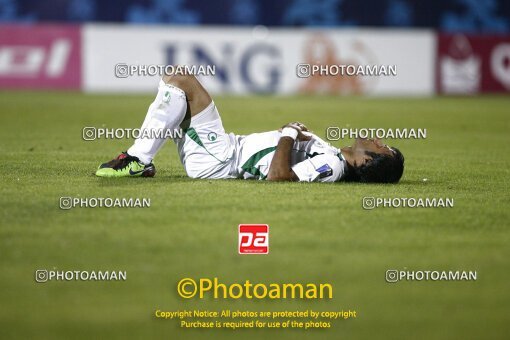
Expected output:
(295, 125)
(300, 129)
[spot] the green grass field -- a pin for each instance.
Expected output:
(319, 232)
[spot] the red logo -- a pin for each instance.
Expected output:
(253, 239)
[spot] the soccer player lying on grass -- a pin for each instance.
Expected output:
(207, 151)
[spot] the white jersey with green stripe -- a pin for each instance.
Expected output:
(312, 161)
(207, 151)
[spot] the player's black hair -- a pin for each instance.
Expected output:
(382, 168)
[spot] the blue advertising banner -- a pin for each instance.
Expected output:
(483, 16)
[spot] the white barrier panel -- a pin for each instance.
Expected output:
(263, 61)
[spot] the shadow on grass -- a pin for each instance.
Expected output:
(119, 182)
(169, 179)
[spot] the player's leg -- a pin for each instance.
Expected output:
(178, 98)
(205, 150)
(197, 96)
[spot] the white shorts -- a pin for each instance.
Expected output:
(206, 150)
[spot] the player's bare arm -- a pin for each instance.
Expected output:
(280, 169)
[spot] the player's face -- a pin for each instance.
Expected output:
(363, 145)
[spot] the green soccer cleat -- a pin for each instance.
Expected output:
(125, 166)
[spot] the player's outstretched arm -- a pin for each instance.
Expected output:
(280, 168)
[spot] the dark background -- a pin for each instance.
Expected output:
(474, 16)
